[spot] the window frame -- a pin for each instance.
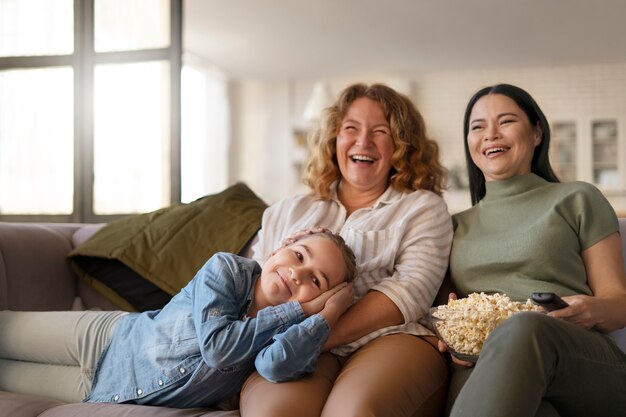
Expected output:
(83, 61)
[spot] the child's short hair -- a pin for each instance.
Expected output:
(348, 255)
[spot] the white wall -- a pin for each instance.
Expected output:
(260, 154)
(205, 135)
(266, 112)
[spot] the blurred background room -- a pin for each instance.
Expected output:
(112, 107)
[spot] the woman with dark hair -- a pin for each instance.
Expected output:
(375, 179)
(540, 164)
(527, 232)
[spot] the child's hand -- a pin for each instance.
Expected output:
(337, 304)
(341, 299)
(317, 304)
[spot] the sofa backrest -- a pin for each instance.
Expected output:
(33, 271)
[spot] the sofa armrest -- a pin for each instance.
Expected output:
(33, 270)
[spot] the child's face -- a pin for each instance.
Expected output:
(301, 271)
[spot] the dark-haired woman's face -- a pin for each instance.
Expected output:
(501, 139)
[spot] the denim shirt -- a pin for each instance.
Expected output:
(199, 349)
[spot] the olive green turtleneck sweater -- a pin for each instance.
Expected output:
(527, 235)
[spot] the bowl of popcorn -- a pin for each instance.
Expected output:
(464, 324)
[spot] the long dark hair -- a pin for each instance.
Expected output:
(541, 160)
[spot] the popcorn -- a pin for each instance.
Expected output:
(464, 324)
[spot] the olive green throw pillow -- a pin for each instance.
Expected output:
(140, 261)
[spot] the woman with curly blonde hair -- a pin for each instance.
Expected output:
(415, 160)
(376, 180)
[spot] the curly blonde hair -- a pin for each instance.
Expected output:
(415, 160)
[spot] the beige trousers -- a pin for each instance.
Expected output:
(53, 354)
(397, 375)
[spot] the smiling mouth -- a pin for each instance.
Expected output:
(362, 159)
(494, 151)
(284, 281)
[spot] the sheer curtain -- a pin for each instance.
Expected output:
(205, 135)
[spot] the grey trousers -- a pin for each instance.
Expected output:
(53, 354)
(534, 365)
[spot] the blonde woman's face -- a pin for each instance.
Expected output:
(364, 147)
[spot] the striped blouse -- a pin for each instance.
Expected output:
(402, 244)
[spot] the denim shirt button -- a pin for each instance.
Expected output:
(182, 370)
(116, 398)
(160, 382)
(139, 391)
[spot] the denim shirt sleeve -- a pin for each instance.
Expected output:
(219, 297)
(294, 352)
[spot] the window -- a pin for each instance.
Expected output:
(89, 108)
(36, 141)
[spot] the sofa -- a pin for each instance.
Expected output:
(34, 275)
